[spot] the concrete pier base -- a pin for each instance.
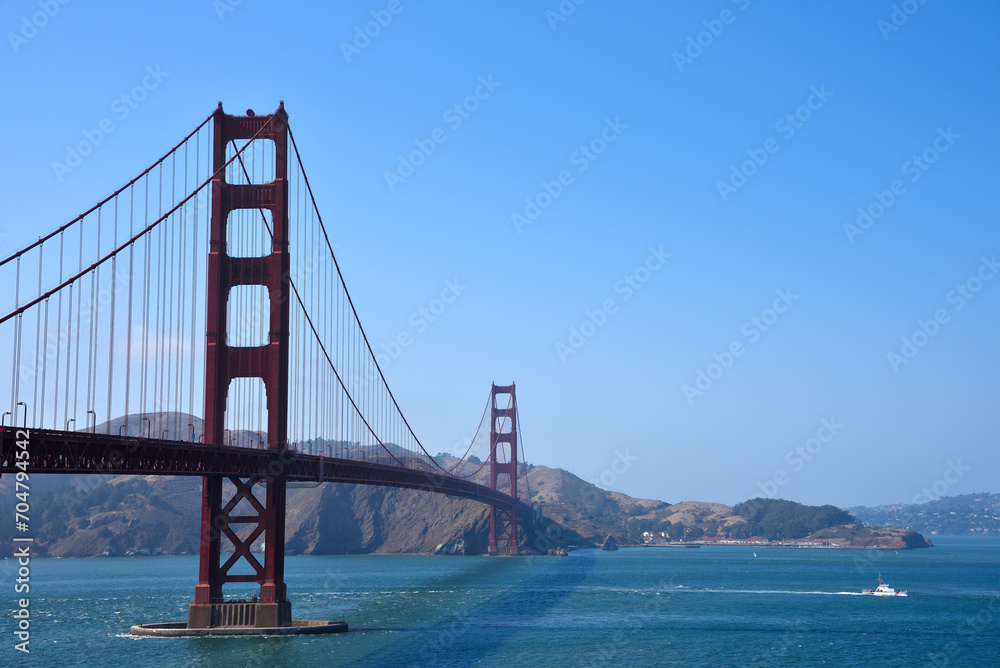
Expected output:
(239, 613)
(181, 629)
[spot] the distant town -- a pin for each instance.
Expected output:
(661, 539)
(965, 515)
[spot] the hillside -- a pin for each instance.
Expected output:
(158, 514)
(162, 515)
(965, 515)
(775, 519)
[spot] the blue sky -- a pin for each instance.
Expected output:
(805, 112)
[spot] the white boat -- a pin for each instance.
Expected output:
(883, 589)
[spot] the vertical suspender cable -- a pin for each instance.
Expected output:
(38, 339)
(128, 318)
(114, 289)
(44, 337)
(182, 305)
(144, 367)
(95, 313)
(58, 340)
(158, 402)
(15, 375)
(70, 335)
(79, 331)
(168, 292)
(194, 276)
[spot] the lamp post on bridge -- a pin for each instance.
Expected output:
(94, 413)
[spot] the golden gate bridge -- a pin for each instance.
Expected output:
(220, 238)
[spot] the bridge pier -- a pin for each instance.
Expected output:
(246, 614)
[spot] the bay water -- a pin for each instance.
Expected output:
(713, 606)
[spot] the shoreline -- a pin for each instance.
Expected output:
(785, 546)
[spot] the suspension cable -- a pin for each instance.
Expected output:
(107, 199)
(350, 301)
(142, 233)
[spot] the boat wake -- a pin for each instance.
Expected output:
(779, 591)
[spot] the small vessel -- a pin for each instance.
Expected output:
(883, 589)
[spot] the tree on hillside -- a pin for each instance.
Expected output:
(661, 526)
(675, 531)
(778, 518)
(694, 532)
(737, 530)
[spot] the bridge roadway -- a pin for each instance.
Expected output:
(73, 452)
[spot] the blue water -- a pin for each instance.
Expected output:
(717, 606)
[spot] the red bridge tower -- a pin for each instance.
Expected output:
(223, 364)
(503, 429)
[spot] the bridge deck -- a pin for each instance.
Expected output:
(73, 452)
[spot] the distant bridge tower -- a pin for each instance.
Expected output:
(503, 430)
(223, 364)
